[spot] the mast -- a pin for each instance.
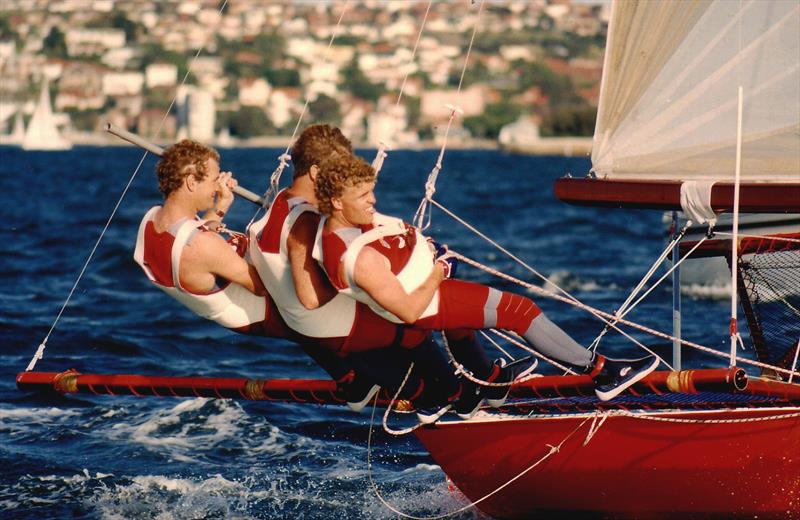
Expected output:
(735, 338)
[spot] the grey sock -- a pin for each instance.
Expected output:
(546, 337)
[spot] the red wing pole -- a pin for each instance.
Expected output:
(322, 391)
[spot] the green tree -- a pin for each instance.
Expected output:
(283, 77)
(120, 21)
(413, 110)
(554, 86)
(117, 20)
(251, 122)
(159, 98)
(324, 109)
(494, 117)
(55, 44)
(572, 120)
(476, 72)
(256, 58)
(84, 120)
(357, 83)
(7, 31)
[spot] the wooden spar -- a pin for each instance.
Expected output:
(157, 150)
(320, 391)
(685, 381)
(70, 382)
(666, 195)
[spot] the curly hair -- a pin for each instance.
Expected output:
(180, 160)
(315, 144)
(337, 173)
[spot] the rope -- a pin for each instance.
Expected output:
(552, 450)
(704, 421)
(460, 369)
(390, 406)
(569, 298)
(623, 309)
(602, 314)
(656, 284)
(794, 363)
(422, 217)
(495, 344)
(524, 346)
(380, 155)
(39, 354)
(595, 427)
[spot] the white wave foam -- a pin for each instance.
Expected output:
(570, 282)
(423, 467)
(44, 490)
(185, 428)
(36, 414)
(427, 496)
(19, 421)
(706, 291)
(156, 496)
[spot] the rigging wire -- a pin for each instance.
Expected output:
(602, 314)
(283, 159)
(552, 450)
(672, 269)
(422, 217)
(623, 309)
(736, 338)
(39, 354)
(568, 298)
(381, 154)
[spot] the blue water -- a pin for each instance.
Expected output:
(128, 457)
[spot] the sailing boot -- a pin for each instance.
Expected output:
(357, 390)
(470, 400)
(443, 387)
(504, 372)
(614, 376)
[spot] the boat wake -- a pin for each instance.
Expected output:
(571, 282)
(699, 291)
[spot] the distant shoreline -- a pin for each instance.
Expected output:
(558, 146)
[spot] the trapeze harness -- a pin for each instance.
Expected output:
(232, 305)
(342, 324)
(455, 305)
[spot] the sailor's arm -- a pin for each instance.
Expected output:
(311, 285)
(209, 256)
(373, 275)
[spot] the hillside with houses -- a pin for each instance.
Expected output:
(241, 72)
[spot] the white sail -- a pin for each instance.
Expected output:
(42, 133)
(668, 102)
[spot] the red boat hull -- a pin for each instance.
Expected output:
(630, 468)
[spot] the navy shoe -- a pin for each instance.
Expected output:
(470, 400)
(507, 373)
(431, 414)
(359, 394)
(614, 376)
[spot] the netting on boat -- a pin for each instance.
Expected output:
(769, 275)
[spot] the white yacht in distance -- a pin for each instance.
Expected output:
(42, 133)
